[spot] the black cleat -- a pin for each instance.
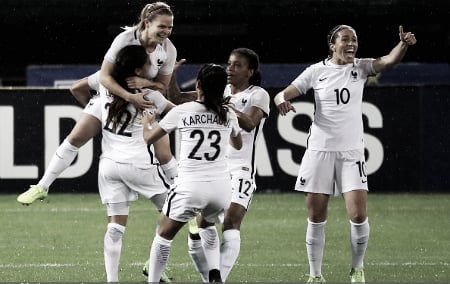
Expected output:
(214, 276)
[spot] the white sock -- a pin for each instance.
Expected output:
(159, 256)
(229, 251)
(170, 170)
(198, 258)
(315, 243)
(112, 249)
(61, 160)
(359, 238)
(210, 242)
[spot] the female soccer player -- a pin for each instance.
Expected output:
(207, 126)
(127, 167)
(152, 32)
(251, 104)
(334, 160)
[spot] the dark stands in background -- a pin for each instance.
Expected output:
(283, 31)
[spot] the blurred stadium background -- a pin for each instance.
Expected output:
(282, 31)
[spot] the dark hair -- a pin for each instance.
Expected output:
(212, 80)
(128, 59)
(332, 35)
(253, 63)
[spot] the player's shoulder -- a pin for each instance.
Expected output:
(127, 33)
(319, 64)
(189, 106)
(168, 45)
(258, 90)
(316, 67)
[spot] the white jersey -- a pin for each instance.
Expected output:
(94, 81)
(256, 96)
(93, 107)
(126, 144)
(204, 140)
(162, 58)
(338, 93)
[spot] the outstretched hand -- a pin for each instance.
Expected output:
(285, 107)
(406, 37)
(178, 64)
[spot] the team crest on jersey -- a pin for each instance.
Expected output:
(354, 75)
(302, 181)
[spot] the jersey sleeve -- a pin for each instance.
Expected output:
(157, 98)
(261, 99)
(304, 81)
(170, 121)
(171, 52)
(118, 43)
(93, 81)
(366, 65)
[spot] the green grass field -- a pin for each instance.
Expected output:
(61, 240)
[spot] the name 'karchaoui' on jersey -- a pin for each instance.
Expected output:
(204, 140)
(338, 94)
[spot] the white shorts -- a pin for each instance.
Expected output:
(332, 172)
(94, 107)
(123, 182)
(243, 187)
(209, 198)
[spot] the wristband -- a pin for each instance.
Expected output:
(281, 98)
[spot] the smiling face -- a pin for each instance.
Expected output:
(157, 30)
(344, 46)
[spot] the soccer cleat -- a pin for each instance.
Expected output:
(145, 268)
(32, 194)
(316, 279)
(164, 277)
(357, 275)
(214, 276)
(193, 228)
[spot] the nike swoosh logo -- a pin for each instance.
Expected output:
(321, 79)
(364, 181)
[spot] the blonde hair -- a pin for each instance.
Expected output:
(151, 11)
